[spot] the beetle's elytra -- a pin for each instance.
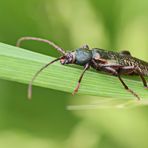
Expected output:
(114, 63)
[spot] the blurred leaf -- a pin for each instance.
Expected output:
(20, 65)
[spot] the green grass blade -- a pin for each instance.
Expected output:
(20, 65)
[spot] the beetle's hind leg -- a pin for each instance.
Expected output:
(131, 69)
(142, 78)
(81, 76)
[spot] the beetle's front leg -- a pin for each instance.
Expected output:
(81, 76)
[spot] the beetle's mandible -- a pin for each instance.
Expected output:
(114, 63)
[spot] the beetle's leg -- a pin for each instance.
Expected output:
(114, 72)
(106, 67)
(130, 69)
(116, 66)
(142, 78)
(102, 66)
(110, 70)
(81, 76)
(127, 70)
(126, 87)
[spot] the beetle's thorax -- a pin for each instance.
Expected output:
(83, 56)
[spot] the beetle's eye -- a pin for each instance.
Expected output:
(62, 60)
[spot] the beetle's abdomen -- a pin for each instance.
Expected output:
(132, 61)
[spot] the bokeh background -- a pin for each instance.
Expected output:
(45, 122)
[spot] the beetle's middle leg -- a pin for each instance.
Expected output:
(118, 73)
(126, 70)
(127, 88)
(81, 76)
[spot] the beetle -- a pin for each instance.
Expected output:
(110, 62)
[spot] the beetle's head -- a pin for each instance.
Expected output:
(80, 56)
(68, 58)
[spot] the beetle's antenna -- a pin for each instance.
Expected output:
(36, 74)
(40, 40)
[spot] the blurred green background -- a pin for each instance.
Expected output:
(45, 122)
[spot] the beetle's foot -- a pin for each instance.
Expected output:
(76, 89)
(132, 92)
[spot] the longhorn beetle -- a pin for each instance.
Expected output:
(114, 63)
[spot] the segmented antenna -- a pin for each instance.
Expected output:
(36, 74)
(40, 40)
